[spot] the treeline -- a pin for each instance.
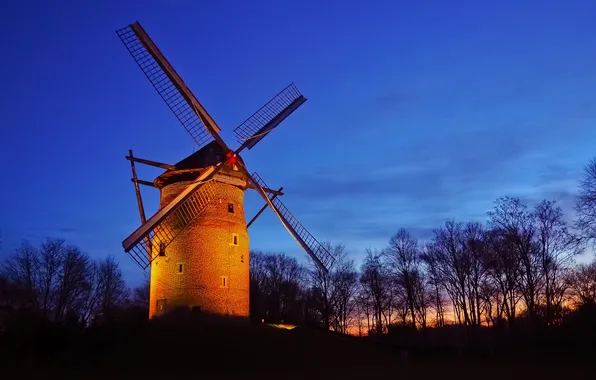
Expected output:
(515, 274)
(512, 279)
(519, 264)
(58, 284)
(282, 290)
(506, 286)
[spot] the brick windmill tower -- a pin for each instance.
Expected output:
(197, 243)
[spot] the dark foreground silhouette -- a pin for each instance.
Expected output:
(197, 346)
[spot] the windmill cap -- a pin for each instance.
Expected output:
(190, 167)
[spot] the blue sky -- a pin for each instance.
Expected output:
(416, 113)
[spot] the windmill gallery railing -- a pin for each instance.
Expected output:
(321, 254)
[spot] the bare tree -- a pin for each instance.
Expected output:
(276, 286)
(91, 296)
(491, 300)
(21, 270)
(518, 225)
(503, 270)
(582, 280)
(284, 278)
(321, 282)
(258, 271)
(333, 290)
(363, 310)
(111, 287)
(432, 269)
(60, 283)
(451, 257)
(258, 283)
(399, 303)
(422, 296)
(344, 280)
(476, 247)
(402, 254)
(49, 263)
(375, 283)
(556, 251)
(585, 206)
(72, 281)
(141, 294)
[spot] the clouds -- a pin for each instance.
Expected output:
(422, 182)
(428, 169)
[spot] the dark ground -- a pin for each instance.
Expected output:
(176, 349)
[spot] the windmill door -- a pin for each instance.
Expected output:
(161, 306)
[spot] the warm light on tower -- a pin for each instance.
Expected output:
(213, 251)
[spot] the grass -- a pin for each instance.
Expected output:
(199, 350)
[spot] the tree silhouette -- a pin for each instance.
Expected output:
(585, 206)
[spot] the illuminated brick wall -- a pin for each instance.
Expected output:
(206, 251)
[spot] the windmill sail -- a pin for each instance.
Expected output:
(311, 245)
(187, 109)
(161, 229)
(253, 129)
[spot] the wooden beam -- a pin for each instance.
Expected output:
(263, 208)
(137, 189)
(267, 190)
(145, 183)
(151, 163)
(274, 192)
(136, 181)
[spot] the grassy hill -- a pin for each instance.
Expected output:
(203, 350)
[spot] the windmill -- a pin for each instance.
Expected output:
(197, 243)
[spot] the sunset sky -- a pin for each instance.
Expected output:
(416, 113)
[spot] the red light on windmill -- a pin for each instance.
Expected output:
(232, 159)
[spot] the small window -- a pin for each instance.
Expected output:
(231, 208)
(162, 249)
(223, 282)
(234, 239)
(241, 258)
(161, 306)
(180, 268)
